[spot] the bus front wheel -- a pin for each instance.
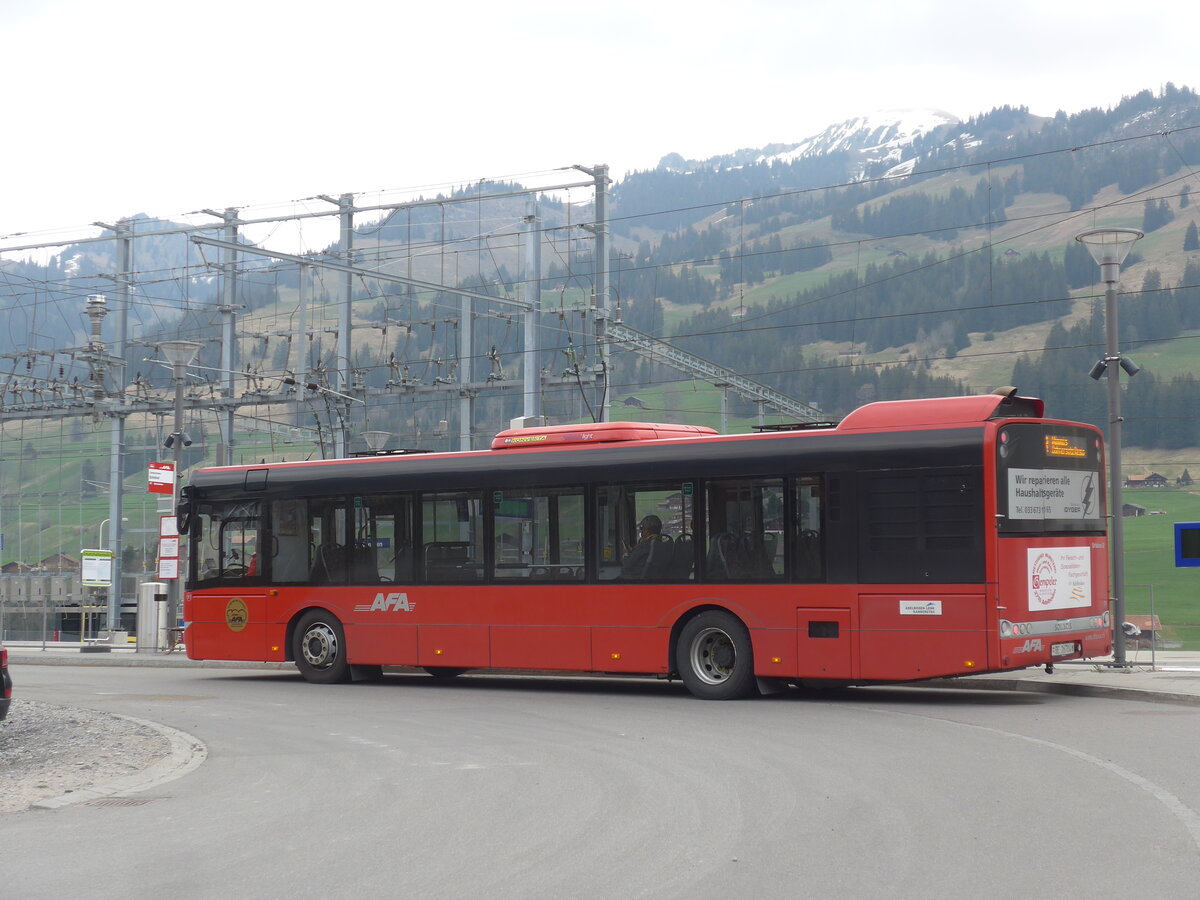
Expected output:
(320, 649)
(714, 657)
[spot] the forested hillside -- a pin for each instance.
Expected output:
(901, 272)
(833, 272)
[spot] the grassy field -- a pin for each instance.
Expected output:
(1150, 571)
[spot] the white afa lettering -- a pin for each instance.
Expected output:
(394, 602)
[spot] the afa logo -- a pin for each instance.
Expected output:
(1033, 645)
(393, 602)
(237, 614)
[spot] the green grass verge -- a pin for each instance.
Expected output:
(1150, 572)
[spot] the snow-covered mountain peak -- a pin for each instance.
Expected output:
(876, 137)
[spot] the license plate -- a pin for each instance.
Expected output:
(1065, 649)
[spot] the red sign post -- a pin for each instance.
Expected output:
(161, 478)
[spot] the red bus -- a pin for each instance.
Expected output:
(915, 539)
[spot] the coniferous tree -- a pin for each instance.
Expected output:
(87, 479)
(1157, 214)
(1191, 240)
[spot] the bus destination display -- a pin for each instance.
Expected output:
(1072, 447)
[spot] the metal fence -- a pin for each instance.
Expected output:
(45, 607)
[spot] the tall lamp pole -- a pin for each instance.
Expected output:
(100, 545)
(180, 354)
(1109, 247)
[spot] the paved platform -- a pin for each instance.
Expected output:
(1165, 676)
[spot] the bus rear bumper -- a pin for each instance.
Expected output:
(1043, 641)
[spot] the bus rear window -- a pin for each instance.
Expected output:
(1050, 479)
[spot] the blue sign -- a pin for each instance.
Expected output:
(1187, 544)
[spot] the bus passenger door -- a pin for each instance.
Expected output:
(823, 639)
(229, 625)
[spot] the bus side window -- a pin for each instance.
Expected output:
(538, 534)
(622, 510)
(327, 541)
(452, 537)
(745, 527)
(383, 545)
(289, 541)
(808, 534)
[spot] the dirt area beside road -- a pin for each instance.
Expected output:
(48, 751)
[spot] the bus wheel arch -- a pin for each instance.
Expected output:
(317, 644)
(712, 653)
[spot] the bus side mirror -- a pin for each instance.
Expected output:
(183, 512)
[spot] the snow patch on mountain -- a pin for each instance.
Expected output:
(879, 137)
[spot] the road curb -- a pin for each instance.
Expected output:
(126, 660)
(186, 753)
(1068, 689)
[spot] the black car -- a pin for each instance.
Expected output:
(5, 683)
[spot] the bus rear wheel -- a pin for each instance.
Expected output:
(320, 648)
(714, 657)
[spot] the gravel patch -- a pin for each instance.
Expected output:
(47, 751)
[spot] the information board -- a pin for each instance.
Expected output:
(96, 568)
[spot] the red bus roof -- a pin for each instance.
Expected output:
(595, 433)
(941, 411)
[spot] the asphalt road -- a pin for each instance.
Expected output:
(502, 787)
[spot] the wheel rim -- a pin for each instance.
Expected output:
(320, 646)
(713, 656)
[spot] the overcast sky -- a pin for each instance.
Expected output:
(163, 106)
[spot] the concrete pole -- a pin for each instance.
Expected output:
(229, 344)
(298, 358)
(116, 459)
(344, 370)
(175, 595)
(466, 394)
(1109, 247)
(1113, 372)
(531, 281)
(600, 174)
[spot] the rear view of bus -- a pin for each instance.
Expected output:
(1051, 552)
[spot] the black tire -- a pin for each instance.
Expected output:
(320, 648)
(444, 671)
(714, 657)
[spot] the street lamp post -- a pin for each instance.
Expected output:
(1109, 247)
(180, 354)
(100, 545)
(114, 588)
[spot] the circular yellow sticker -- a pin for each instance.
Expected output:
(236, 614)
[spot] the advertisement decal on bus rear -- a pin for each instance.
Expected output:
(1051, 494)
(1059, 578)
